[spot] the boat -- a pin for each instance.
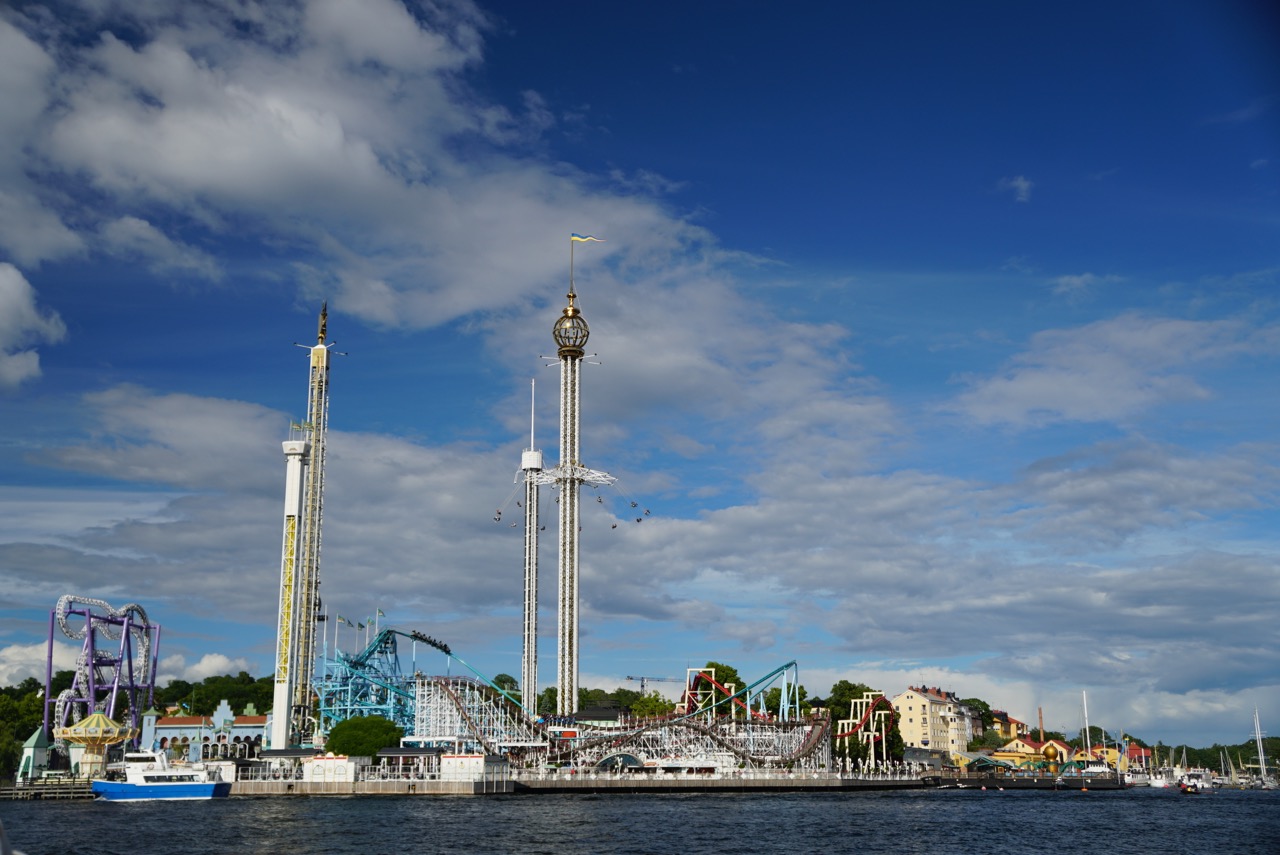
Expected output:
(148, 775)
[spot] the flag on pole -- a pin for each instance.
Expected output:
(341, 619)
(576, 238)
(381, 613)
(360, 626)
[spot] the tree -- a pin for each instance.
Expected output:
(363, 736)
(592, 698)
(508, 684)
(773, 700)
(651, 705)
(20, 716)
(983, 709)
(624, 698)
(547, 701)
(843, 694)
(840, 705)
(727, 676)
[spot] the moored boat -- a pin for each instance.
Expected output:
(148, 775)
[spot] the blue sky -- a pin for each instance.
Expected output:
(940, 342)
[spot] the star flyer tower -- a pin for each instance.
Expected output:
(291, 722)
(531, 465)
(570, 333)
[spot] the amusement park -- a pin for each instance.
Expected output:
(460, 725)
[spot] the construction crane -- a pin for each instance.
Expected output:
(646, 680)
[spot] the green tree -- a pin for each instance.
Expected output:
(773, 700)
(983, 709)
(727, 676)
(21, 714)
(591, 698)
(624, 698)
(547, 701)
(989, 739)
(363, 736)
(840, 705)
(508, 684)
(651, 705)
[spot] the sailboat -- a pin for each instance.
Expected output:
(1263, 781)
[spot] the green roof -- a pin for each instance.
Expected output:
(37, 739)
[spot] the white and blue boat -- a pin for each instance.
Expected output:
(148, 775)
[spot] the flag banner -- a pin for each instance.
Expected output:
(360, 626)
(341, 619)
(583, 238)
(381, 613)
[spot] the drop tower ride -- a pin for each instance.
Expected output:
(292, 723)
(570, 333)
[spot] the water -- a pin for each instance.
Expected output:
(1151, 822)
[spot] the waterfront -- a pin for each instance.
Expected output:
(938, 821)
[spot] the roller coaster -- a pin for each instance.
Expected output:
(115, 671)
(714, 727)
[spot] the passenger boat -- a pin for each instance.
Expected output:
(148, 775)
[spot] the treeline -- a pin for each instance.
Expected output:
(22, 706)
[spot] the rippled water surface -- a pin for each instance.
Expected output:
(1151, 822)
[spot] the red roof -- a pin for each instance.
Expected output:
(251, 719)
(185, 721)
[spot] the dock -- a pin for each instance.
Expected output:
(51, 789)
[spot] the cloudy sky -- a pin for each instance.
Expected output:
(939, 343)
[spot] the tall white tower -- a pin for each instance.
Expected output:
(531, 465)
(294, 452)
(570, 333)
(300, 562)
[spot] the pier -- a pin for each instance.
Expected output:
(49, 789)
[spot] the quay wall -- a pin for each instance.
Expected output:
(762, 784)
(371, 788)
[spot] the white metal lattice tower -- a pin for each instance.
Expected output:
(300, 563)
(531, 465)
(570, 333)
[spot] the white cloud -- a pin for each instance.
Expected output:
(175, 667)
(1019, 185)
(22, 323)
(130, 237)
(20, 661)
(1077, 286)
(1109, 370)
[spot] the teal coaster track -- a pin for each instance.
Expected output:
(713, 726)
(374, 682)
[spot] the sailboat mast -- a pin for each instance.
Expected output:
(1088, 743)
(1257, 736)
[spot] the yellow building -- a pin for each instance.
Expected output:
(1025, 751)
(1007, 726)
(931, 718)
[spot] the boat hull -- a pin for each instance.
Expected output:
(120, 791)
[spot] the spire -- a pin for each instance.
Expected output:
(324, 322)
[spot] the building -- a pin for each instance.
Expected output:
(1025, 751)
(222, 735)
(931, 718)
(1007, 726)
